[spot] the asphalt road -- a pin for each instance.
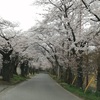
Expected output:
(40, 87)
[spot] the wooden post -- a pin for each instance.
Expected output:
(74, 79)
(91, 80)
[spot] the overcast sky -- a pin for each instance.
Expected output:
(21, 11)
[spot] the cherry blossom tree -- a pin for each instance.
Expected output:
(6, 50)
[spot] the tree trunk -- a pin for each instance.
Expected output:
(79, 77)
(15, 70)
(98, 80)
(87, 79)
(6, 70)
(65, 75)
(22, 70)
(58, 72)
(98, 74)
(69, 74)
(79, 73)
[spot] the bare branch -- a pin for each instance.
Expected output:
(4, 37)
(55, 5)
(72, 31)
(87, 7)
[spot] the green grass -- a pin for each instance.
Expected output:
(79, 92)
(17, 79)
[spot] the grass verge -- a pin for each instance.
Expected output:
(17, 79)
(79, 92)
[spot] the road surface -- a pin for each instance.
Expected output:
(40, 87)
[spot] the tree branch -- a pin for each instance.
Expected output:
(87, 7)
(74, 39)
(55, 5)
(4, 37)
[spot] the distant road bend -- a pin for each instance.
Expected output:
(40, 87)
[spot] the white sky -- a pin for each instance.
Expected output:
(20, 11)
